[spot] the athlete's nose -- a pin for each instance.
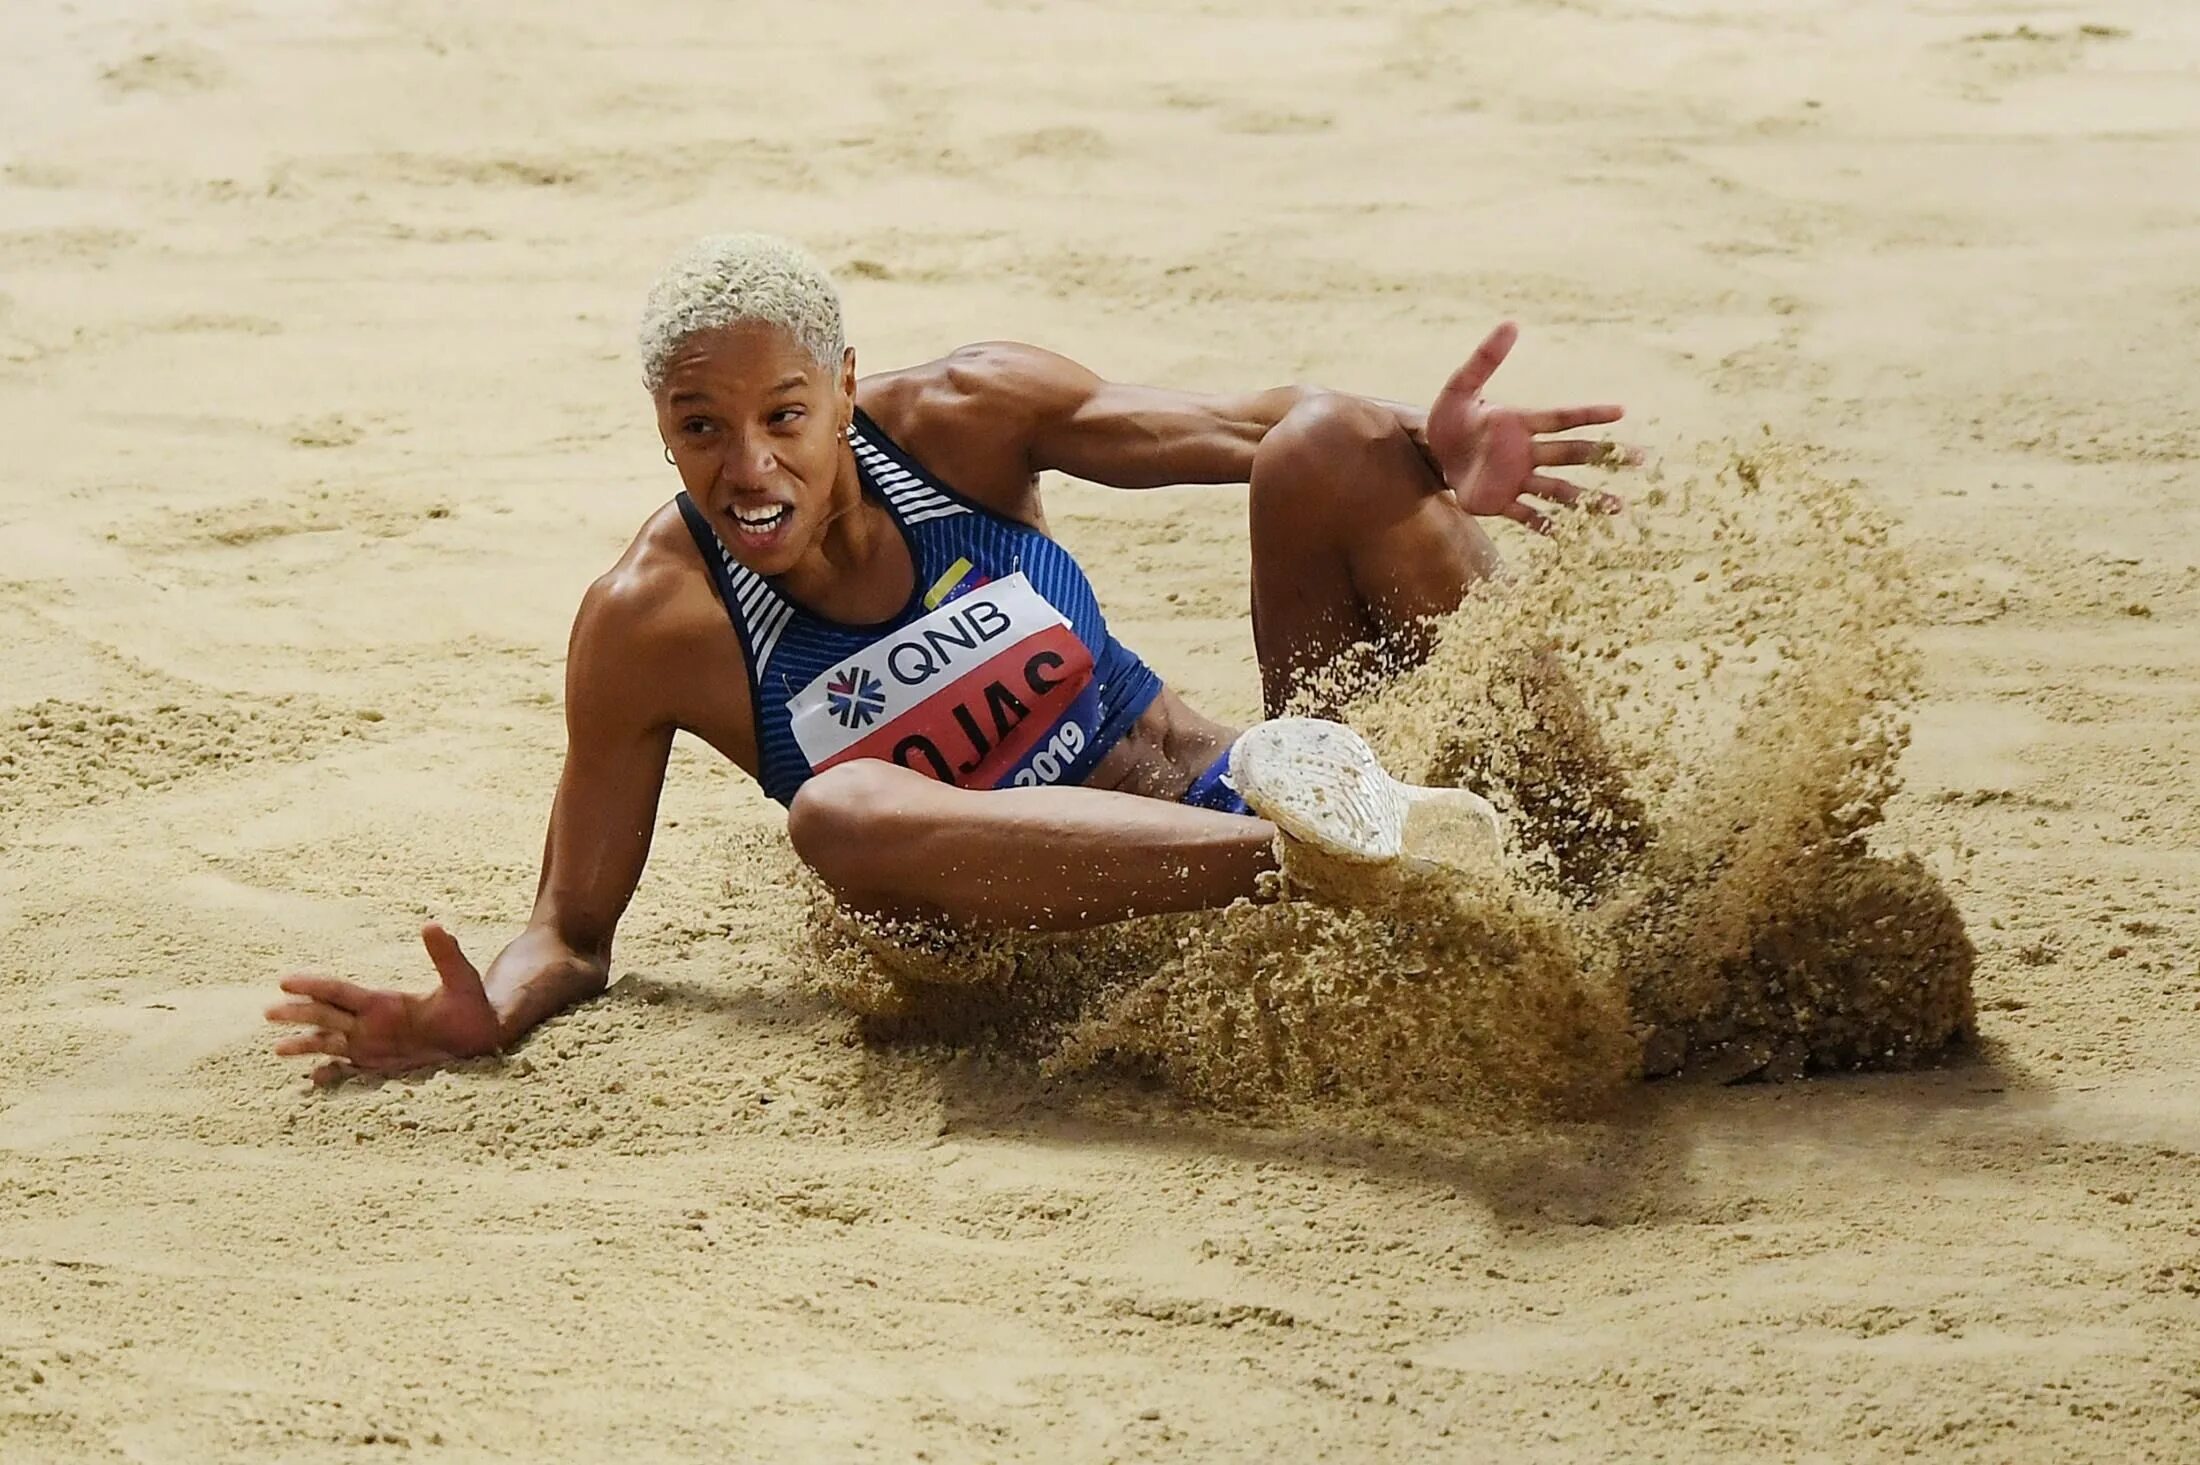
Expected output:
(750, 469)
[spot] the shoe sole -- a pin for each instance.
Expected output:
(1322, 785)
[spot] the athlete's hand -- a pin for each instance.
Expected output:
(365, 1031)
(1492, 457)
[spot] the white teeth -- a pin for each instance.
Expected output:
(761, 518)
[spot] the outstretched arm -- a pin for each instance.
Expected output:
(600, 828)
(1142, 437)
(1070, 418)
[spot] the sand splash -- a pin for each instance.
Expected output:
(1693, 717)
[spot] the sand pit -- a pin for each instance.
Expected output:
(314, 367)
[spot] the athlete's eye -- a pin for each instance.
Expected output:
(695, 425)
(785, 415)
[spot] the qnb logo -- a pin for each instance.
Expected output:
(971, 693)
(855, 697)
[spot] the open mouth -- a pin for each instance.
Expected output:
(761, 522)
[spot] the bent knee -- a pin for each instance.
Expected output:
(1325, 433)
(846, 821)
(837, 812)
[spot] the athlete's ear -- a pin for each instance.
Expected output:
(848, 381)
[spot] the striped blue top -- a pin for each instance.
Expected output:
(999, 671)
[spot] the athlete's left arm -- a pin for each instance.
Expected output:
(1071, 419)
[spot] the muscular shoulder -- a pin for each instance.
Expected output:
(644, 622)
(1001, 381)
(973, 415)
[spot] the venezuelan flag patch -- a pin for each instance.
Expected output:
(961, 576)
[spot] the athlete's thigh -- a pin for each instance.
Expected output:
(1362, 552)
(1306, 612)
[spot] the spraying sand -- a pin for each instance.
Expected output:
(1693, 721)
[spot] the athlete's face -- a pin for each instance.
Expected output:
(758, 432)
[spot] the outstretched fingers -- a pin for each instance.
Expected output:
(451, 965)
(335, 1045)
(1559, 491)
(330, 1025)
(1520, 513)
(349, 996)
(313, 1014)
(1565, 419)
(1475, 372)
(1574, 452)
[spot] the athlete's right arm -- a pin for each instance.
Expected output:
(617, 743)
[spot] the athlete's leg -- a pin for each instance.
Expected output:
(889, 841)
(1354, 539)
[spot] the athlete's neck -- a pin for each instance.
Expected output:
(858, 570)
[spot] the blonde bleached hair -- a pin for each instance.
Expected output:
(734, 279)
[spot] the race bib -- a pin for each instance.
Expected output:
(990, 690)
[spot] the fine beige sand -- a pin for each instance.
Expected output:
(320, 411)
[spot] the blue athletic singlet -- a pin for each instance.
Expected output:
(998, 673)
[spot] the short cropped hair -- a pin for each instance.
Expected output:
(732, 279)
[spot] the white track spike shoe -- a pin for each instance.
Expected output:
(1322, 786)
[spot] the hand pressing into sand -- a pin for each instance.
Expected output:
(1492, 456)
(368, 1031)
